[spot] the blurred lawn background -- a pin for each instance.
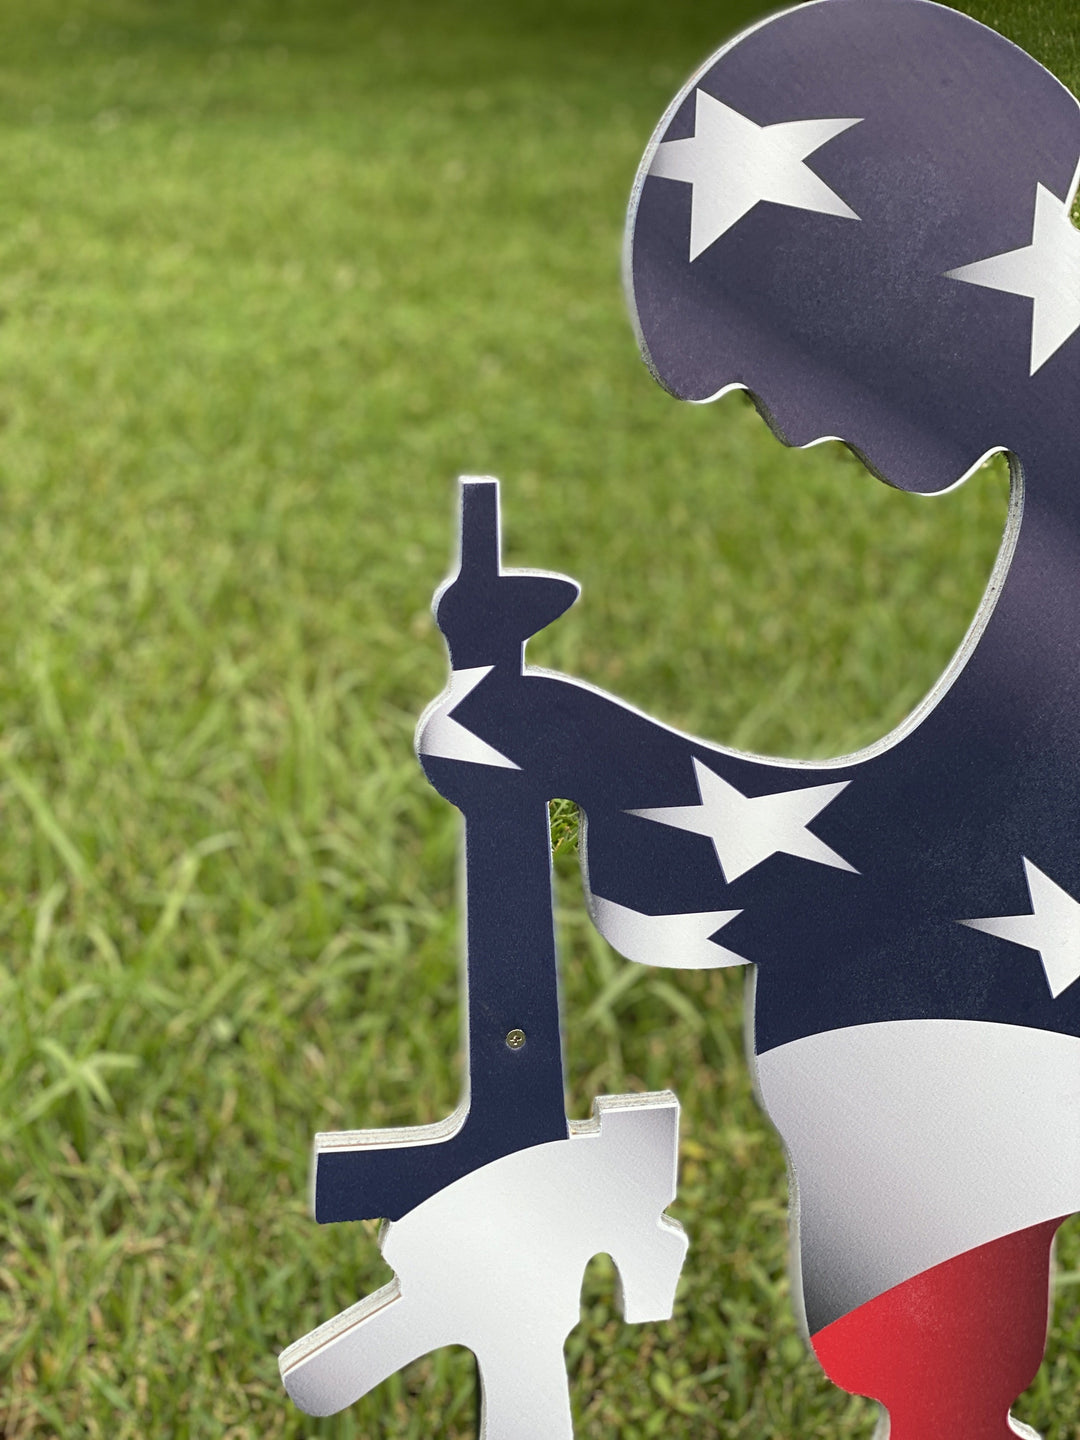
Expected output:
(271, 275)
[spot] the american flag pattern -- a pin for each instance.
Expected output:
(859, 211)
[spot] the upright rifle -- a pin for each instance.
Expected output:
(514, 1096)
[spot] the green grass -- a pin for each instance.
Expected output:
(271, 275)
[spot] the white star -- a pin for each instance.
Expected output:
(745, 831)
(1053, 929)
(439, 734)
(1047, 271)
(733, 164)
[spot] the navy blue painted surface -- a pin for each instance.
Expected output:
(515, 1096)
(839, 328)
(851, 329)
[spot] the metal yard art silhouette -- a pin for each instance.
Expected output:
(859, 212)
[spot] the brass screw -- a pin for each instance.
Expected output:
(515, 1039)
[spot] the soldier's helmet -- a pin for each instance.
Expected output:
(802, 211)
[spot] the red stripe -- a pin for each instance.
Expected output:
(948, 1351)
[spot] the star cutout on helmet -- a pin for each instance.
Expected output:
(745, 830)
(1053, 929)
(1047, 271)
(733, 164)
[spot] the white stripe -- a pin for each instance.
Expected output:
(912, 1141)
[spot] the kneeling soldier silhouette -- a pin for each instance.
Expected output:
(859, 211)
